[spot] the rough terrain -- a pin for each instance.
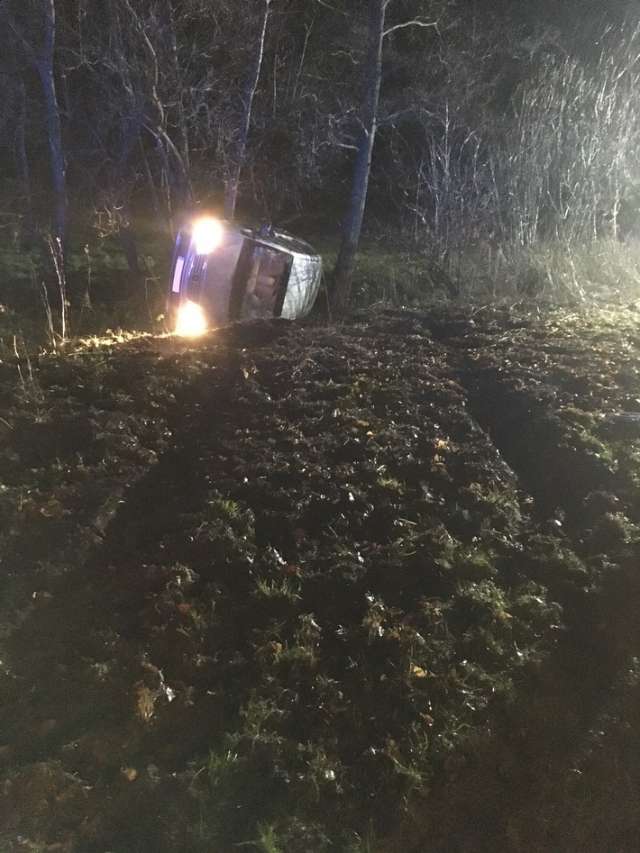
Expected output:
(361, 587)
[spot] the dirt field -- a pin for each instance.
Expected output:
(362, 588)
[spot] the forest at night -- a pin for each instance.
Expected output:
(319, 426)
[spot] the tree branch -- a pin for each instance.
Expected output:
(409, 112)
(333, 8)
(415, 23)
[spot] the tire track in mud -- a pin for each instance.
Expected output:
(82, 688)
(337, 469)
(506, 795)
(320, 484)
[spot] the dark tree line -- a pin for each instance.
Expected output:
(446, 121)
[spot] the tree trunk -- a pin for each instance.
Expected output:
(45, 67)
(182, 126)
(345, 263)
(239, 156)
(153, 191)
(156, 121)
(22, 159)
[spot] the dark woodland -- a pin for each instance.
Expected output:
(424, 124)
(360, 582)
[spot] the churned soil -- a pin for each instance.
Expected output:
(370, 586)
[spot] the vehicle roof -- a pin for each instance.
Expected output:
(281, 241)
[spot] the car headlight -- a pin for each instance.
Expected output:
(206, 234)
(191, 320)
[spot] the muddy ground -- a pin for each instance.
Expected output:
(360, 588)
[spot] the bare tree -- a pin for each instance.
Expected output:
(251, 86)
(352, 228)
(14, 116)
(42, 57)
(345, 264)
(45, 65)
(22, 159)
(178, 82)
(156, 117)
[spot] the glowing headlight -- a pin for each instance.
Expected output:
(191, 320)
(207, 235)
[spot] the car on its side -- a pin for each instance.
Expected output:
(222, 272)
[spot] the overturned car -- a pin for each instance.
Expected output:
(222, 272)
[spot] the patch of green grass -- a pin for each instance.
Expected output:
(277, 588)
(551, 272)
